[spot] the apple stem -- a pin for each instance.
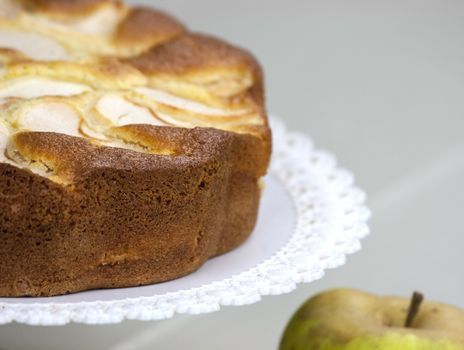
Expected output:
(414, 307)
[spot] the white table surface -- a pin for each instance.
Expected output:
(381, 84)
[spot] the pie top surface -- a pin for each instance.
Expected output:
(97, 69)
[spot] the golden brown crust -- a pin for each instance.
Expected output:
(71, 8)
(193, 52)
(213, 68)
(147, 27)
(138, 203)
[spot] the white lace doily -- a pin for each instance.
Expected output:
(311, 217)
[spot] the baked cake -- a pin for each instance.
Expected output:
(131, 150)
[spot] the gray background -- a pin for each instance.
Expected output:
(381, 84)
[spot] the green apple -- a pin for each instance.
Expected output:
(346, 319)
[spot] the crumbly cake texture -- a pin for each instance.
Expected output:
(131, 150)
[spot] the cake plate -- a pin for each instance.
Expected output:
(311, 217)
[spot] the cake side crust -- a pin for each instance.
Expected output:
(115, 223)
